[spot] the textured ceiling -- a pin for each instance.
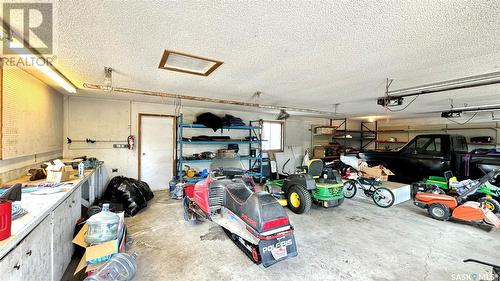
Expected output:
(297, 53)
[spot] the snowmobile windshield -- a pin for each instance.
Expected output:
(227, 166)
(495, 178)
(486, 178)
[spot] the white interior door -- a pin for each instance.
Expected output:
(157, 150)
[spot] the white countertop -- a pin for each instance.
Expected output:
(38, 207)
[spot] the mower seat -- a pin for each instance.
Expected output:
(315, 168)
(448, 175)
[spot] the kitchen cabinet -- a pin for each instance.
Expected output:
(36, 256)
(64, 219)
(10, 266)
(31, 258)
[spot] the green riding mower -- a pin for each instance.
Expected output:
(488, 193)
(309, 184)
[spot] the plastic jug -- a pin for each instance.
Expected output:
(81, 170)
(102, 226)
(121, 267)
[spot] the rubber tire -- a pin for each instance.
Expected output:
(189, 215)
(384, 206)
(185, 205)
(446, 211)
(493, 202)
(353, 183)
(304, 196)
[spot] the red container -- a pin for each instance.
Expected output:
(189, 190)
(5, 219)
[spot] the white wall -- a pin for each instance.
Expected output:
(31, 123)
(115, 117)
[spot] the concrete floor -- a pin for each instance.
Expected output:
(356, 241)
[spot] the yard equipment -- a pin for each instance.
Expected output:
(254, 221)
(488, 193)
(381, 196)
(443, 207)
(310, 184)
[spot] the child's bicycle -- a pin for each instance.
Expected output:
(382, 196)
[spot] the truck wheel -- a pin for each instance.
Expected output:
(298, 199)
(491, 204)
(439, 211)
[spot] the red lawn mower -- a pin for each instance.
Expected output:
(443, 207)
(254, 220)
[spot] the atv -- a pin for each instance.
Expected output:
(488, 193)
(253, 220)
(310, 184)
(443, 207)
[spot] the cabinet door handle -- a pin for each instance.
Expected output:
(69, 205)
(73, 201)
(28, 253)
(17, 266)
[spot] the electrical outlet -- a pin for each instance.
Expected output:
(120, 145)
(114, 170)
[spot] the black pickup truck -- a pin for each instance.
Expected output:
(432, 155)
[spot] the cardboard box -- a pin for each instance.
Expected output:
(96, 255)
(325, 131)
(318, 152)
(378, 172)
(57, 176)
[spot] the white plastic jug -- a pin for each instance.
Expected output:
(102, 226)
(121, 267)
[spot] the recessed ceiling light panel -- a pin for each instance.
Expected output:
(187, 63)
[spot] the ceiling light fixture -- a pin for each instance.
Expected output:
(186, 63)
(395, 97)
(47, 69)
(41, 63)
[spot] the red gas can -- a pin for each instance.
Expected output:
(5, 219)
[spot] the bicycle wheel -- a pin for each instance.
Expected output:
(383, 197)
(350, 189)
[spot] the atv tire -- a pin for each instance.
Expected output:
(491, 204)
(439, 211)
(298, 199)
